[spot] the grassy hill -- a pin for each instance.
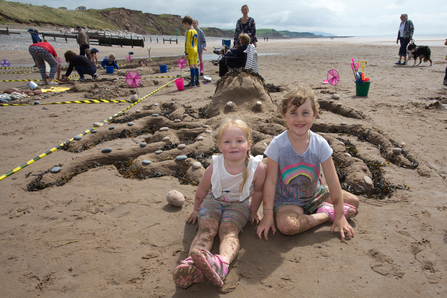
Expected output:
(115, 19)
(14, 12)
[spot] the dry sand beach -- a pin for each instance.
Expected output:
(103, 234)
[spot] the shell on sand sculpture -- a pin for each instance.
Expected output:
(244, 90)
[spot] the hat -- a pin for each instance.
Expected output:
(93, 51)
(78, 27)
(30, 30)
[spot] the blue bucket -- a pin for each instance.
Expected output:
(110, 69)
(163, 68)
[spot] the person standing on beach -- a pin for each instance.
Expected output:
(34, 35)
(36, 38)
(445, 77)
(41, 52)
(247, 25)
(404, 35)
(201, 44)
(191, 55)
(82, 40)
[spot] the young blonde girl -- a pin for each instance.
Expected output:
(223, 207)
(292, 189)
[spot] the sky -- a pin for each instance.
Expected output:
(342, 18)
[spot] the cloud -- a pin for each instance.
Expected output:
(347, 17)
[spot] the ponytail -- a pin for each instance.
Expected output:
(245, 172)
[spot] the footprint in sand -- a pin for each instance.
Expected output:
(384, 265)
(422, 252)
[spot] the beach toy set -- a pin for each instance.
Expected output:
(361, 82)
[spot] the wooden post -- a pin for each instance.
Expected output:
(7, 31)
(131, 41)
(66, 39)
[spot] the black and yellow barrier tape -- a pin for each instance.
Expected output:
(82, 134)
(160, 77)
(23, 67)
(29, 80)
(15, 72)
(70, 102)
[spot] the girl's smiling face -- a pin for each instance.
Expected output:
(234, 144)
(299, 120)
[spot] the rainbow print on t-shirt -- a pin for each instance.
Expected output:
(305, 169)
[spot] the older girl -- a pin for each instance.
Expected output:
(292, 189)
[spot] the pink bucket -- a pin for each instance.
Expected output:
(179, 83)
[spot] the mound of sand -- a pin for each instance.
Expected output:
(240, 92)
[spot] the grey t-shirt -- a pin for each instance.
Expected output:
(298, 174)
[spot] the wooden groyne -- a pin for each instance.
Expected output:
(96, 38)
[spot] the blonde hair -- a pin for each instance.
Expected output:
(112, 57)
(297, 97)
(244, 38)
(242, 125)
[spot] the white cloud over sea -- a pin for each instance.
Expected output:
(343, 18)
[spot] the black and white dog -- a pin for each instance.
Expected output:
(421, 52)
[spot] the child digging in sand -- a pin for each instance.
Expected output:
(292, 189)
(222, 206)
(109, 61)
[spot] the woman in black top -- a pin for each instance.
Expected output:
(82, 64)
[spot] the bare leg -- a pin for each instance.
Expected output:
(186, 273)
(229, 241)
(58, 73)
(291, 220)
(204, 238)
(201, 63)
(348, 198)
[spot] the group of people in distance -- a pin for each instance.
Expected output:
(195, 44)
(84, 63)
